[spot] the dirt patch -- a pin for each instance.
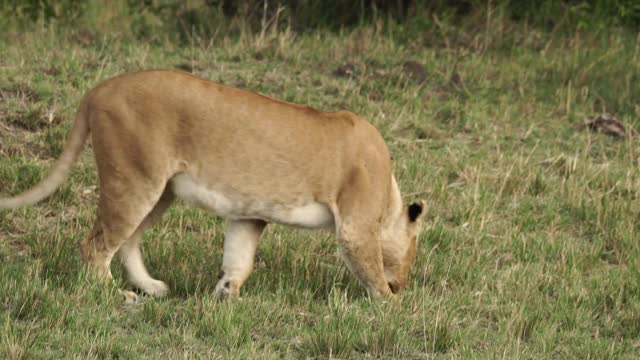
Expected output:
(346, 71)
(456, 79)
(189, 67)
(11, 149)
(23, 108)
(52, 71)
(419, 133)
(184, 67)
(339, 105)
(372, 69)
(85, 37)
(19, 92)
(606, 124)
(33, 119)
(414, 71)
(11, 248)
(239, 83)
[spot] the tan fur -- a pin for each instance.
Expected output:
(251, 158)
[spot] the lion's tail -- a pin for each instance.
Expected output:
(58, 173)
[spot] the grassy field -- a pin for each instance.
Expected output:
(529, 249)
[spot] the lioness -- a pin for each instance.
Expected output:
(158, 135)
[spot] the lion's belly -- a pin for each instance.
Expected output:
(308, 214)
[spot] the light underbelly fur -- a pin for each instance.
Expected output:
(303, 213)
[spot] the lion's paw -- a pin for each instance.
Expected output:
(130, 298)
(155, 288)
(225, 290)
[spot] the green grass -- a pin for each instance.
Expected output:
(529, 248)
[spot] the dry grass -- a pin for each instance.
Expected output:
(530, 247)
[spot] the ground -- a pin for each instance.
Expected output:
(529, 248)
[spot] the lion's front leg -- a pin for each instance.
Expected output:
(240, 243)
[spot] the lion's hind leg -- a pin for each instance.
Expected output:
(131, 256)
(121, 220)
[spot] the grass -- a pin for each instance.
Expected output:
(529, 248)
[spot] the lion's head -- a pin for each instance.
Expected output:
(400, 246)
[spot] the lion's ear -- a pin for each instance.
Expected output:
(415, 211)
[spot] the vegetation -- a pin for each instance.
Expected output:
(530, 247)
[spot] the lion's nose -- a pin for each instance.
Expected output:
(394, 289)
